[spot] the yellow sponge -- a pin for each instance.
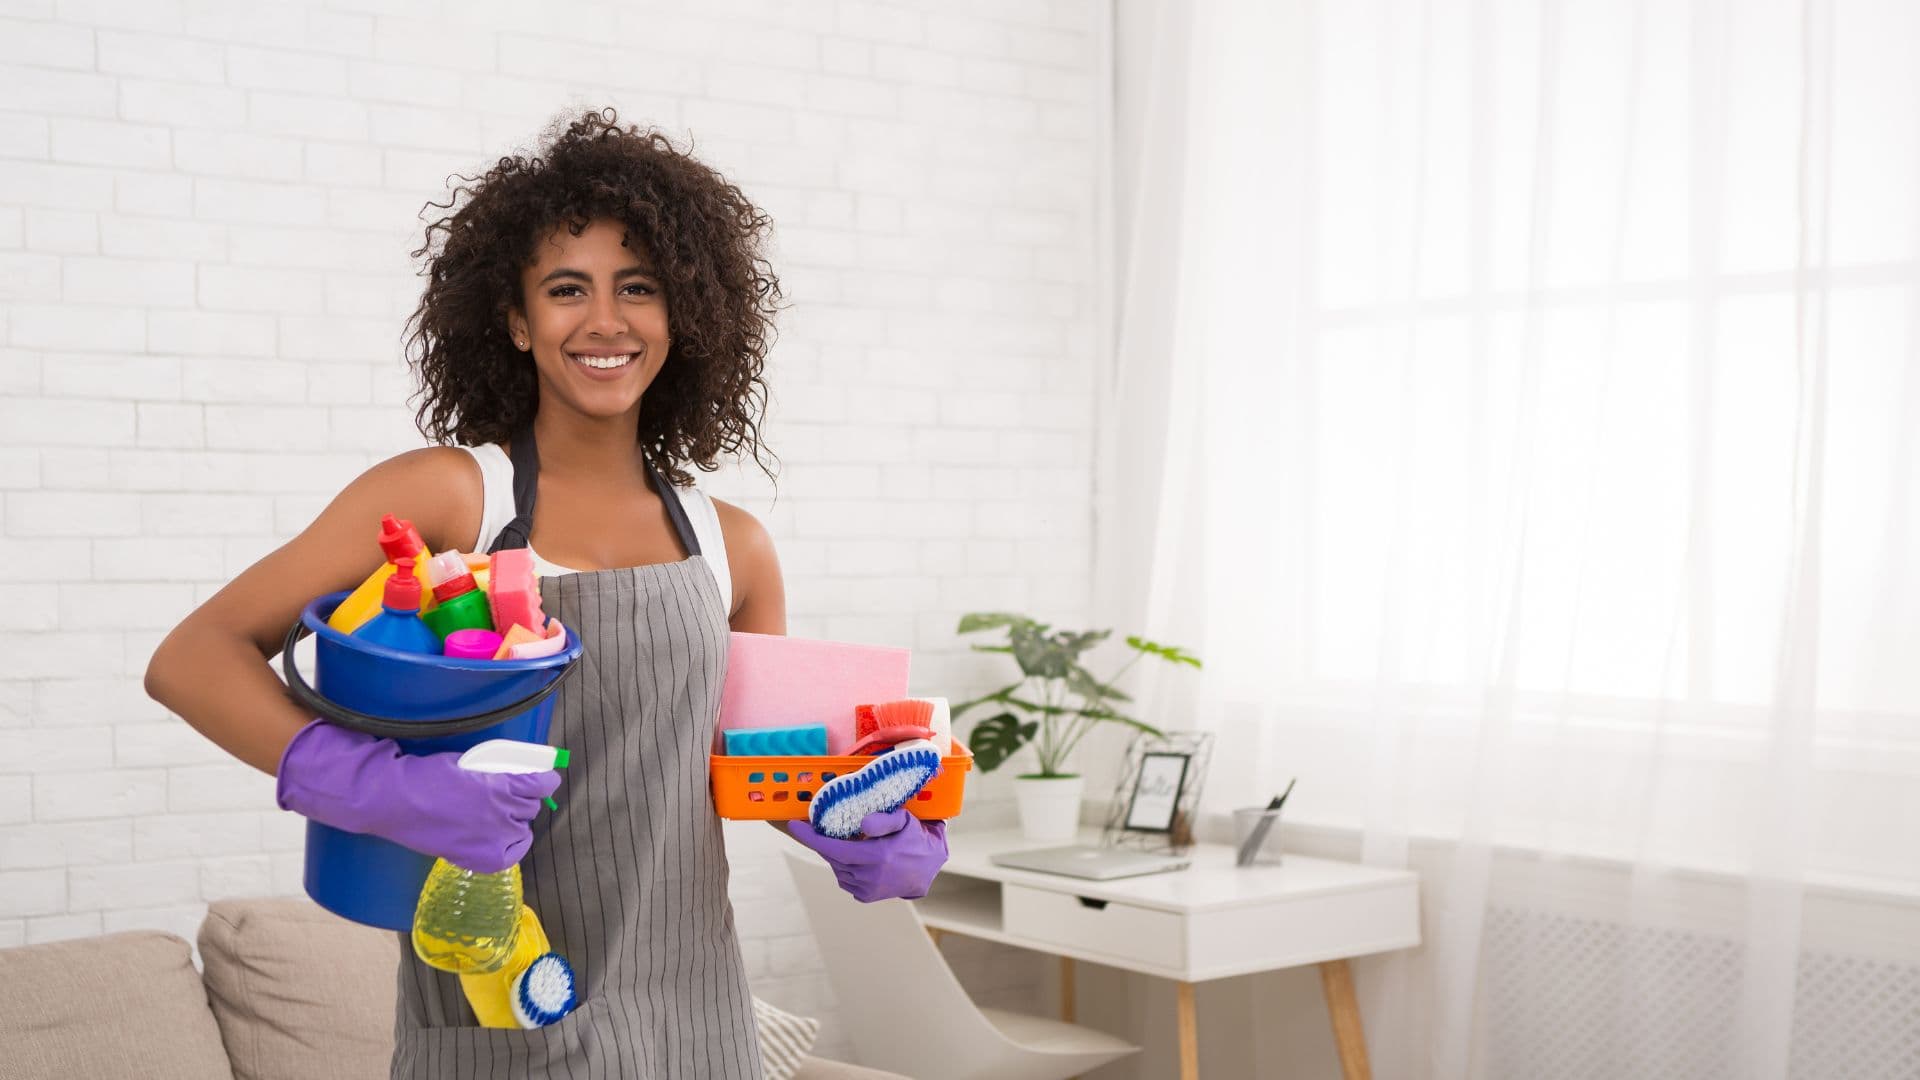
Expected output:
(491, 994)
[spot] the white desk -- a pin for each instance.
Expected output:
(1209, 921)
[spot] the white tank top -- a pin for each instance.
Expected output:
(496, 510)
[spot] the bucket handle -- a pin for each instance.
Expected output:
(384, 727)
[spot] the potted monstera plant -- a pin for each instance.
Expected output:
(1053, 705)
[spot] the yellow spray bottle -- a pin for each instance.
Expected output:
(477, 926)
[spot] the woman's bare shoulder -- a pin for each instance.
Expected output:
(759, 591)
(432, 487)
(440, 486)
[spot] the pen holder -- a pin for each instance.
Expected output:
(1256, 836)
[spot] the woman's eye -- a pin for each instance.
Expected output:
(568, 290)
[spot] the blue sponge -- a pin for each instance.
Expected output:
(801, 740)
(880, 786)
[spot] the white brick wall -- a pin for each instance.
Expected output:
(205, 211)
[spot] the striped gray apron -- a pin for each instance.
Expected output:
(629, 876)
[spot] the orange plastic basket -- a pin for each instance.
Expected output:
(780, 788)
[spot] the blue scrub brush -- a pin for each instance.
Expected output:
(544, 992)
(878, 787)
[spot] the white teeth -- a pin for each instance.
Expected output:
(605, 363)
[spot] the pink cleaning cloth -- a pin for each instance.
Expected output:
(776, 681)
(555, 640)
(513, 592)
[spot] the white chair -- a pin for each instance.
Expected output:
(882, 964)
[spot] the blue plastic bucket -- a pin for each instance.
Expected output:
(427, 704)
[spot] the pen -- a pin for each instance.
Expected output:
(1245, 856)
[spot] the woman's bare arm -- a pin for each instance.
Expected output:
(756, 576)
(760, 590)
(213, 669)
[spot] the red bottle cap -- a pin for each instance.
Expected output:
(399, 538)
(448, 574)
(403, 589)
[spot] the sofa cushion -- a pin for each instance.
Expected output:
(784, 1039)
(127, 1004)
(279, 1023)
(299, 992)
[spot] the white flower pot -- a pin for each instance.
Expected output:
(1049, 806)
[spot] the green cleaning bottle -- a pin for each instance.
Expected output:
(462, 606)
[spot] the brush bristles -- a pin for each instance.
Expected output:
(544, 992)
(882, 785)
(915, 712)
(908, 712)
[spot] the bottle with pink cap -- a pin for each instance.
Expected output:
(472, 644)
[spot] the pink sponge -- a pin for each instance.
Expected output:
(513, 593)
(775, 681)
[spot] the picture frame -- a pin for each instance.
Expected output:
(1159, 822)
(1155, 798)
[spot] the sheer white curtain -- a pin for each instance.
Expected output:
(1515, 406)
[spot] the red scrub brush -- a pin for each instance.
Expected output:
(877, 728)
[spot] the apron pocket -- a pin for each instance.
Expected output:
(428, 1053)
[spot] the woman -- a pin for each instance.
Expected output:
(596, 319)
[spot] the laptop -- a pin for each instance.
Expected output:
(1090, 861)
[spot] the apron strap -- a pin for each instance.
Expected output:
(518, 533)
(675, 512)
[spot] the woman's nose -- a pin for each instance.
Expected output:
(605, 318)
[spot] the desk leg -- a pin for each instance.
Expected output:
(1189, 1036)
(1336, 982)
(1066, 989)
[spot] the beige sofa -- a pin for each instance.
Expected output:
(290, 992)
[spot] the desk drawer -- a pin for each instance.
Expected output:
(1108, 927)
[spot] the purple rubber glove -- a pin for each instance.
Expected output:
(426, 802)
(897, 859)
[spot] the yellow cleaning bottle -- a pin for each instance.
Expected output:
(468, 922)
(399, 540)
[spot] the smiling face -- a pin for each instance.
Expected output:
(595, 320)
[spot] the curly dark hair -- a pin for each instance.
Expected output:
(705, 240)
